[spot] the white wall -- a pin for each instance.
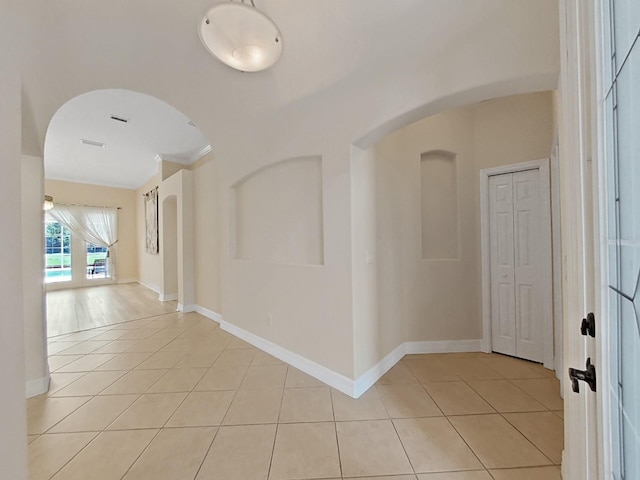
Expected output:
(35, 328)
(13, 423)
(422, 299)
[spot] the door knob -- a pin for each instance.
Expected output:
(588, 326)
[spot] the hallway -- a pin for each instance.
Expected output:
(173, 397)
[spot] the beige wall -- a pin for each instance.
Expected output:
(85, 194)
(207, 234)
(177, 190)
(305, 309)
(149, 265)
(275, 219)
(35, 327)
(427, 300)
(13, 420)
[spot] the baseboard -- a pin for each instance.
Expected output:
(167, 297)
(186, 308)
(444, 346)
(127, 280)
(371, 376)
(216, 317)
(38, 386)
(325, 375)
(155, 288)
(348, 386)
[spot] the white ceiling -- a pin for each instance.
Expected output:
(351, 70)
(155, 131)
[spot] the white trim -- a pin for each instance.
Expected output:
(167, 297)
(604, 358)
(200, 153)
(127, 280)
(353, 388)
(150, 286)
(547, 309)
(186, 308)
(556, 249)
(444, 346)
(182, 160)
(371, 376)
(38, 386)
(331, 378)
(216, 317)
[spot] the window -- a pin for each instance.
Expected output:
(97, 261)
(57, 251)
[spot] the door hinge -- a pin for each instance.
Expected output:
(588, 326)
(588, 376)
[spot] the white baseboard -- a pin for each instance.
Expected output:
(371, 376)
(186, 308)
(216, 317)
(38, 386)
(444, 346)
(167, 297)
(331, 378)
(127, 280)
(150, 286)
(348, 386)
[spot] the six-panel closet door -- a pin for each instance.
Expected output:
(515, 216)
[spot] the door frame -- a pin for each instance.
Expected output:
(547, 305)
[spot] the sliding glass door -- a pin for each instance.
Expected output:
(71, 262)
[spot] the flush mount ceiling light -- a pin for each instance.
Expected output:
(241, 36)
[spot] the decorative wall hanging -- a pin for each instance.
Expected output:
(151, 221)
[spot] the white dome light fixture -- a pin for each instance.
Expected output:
(241, 36)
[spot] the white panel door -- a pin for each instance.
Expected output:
(516, 264)
(528, 263)
(503, 325)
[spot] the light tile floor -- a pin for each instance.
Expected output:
(173, 397)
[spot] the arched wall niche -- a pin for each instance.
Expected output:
(277, 213)
(439, 205)
(177, 227)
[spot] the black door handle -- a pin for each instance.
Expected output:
(588, 376)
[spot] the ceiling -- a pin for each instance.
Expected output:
(145, 131)
(351, 70)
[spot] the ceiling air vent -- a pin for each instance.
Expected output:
(119, 119)
(92, 142)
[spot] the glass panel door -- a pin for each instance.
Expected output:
(57, 252)
(622, 109)
(97, 262)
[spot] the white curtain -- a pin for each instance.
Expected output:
(96, 225)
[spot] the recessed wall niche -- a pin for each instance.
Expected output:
(439, 202)
(276, 214)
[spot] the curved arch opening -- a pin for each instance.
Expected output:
(101, 148)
